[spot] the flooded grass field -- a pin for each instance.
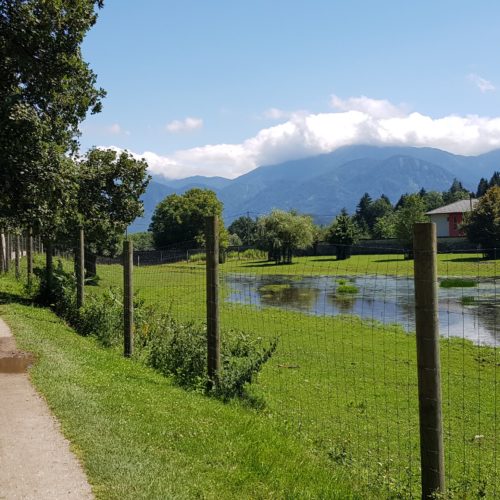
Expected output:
(470, 312)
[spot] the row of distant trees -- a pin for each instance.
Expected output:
(179, 220)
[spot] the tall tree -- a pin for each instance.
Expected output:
(246, 229)
(281, 233)
(363, 214)
(495, 180)
(482, 225)
(412, 211)
(456, 192)
(482, 187)
(46, 90)
(343, 232)
(180, 219)
(433, 199)
(110, 186)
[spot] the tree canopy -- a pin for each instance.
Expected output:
(110, 186)
(281, 233)
(245, 228)
(46, 90)
(343, 232)
(412, 210)
(482, 225)
(181, 218)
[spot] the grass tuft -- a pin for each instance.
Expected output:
(457, 283)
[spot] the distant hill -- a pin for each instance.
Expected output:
(322, 185)
(198, 181)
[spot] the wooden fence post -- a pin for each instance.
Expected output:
(128, 298)
(212, 267)
(49, 266)
(2, 252)
(80, 270)
(428, 361)
(8, 252)
(17, 255)
(29, 256)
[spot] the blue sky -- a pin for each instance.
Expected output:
(220, 87)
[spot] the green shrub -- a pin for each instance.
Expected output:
(457, 283)
(197, 257)
(248, 254)
(468, 300)
(102, 317)
(61, 296)
(347, 289)
(180, 352)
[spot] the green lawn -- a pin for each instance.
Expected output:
(140, 437)
(391, 264)
(348, 387)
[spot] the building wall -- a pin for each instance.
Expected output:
(442, 225)
(454, 221)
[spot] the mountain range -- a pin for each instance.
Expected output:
(322, 185)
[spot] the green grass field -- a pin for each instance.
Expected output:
(346, 387)
(140, 437)
(389, 264)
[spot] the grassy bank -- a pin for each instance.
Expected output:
(140, 437)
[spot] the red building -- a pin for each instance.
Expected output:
(449, 218)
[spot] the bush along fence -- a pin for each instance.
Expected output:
(388, 366)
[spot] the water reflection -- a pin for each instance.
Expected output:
(383, 298)
(287, 295)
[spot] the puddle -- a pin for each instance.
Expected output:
(16, 363)
(471, 313)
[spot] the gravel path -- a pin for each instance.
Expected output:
(35, 459)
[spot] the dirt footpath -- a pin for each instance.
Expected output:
(35, 459)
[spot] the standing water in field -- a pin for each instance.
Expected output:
(469, 312)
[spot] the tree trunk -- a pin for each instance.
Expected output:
(90, 265)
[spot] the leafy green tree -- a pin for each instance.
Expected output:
(385, 227)
(246, 228)
(482, 187)
(234, 240)
(495, 179)
(379, 208)
(456, 193)
(46, 90)
(106, 201)
(412, 211)
(281, 233)
(142, 240)
(180, 219)
(482, 225)
(343, 232)
(433, 199)
(110, 186)
(363, 216)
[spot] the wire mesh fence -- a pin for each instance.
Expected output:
(344, 375)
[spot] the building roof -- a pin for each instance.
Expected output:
(456, 207)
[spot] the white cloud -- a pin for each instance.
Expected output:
(481, 83)
(280, 114)
(116, 129)
(370, 121)
(186, 125)
(377, 108)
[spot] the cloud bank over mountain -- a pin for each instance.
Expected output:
(356, 120)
